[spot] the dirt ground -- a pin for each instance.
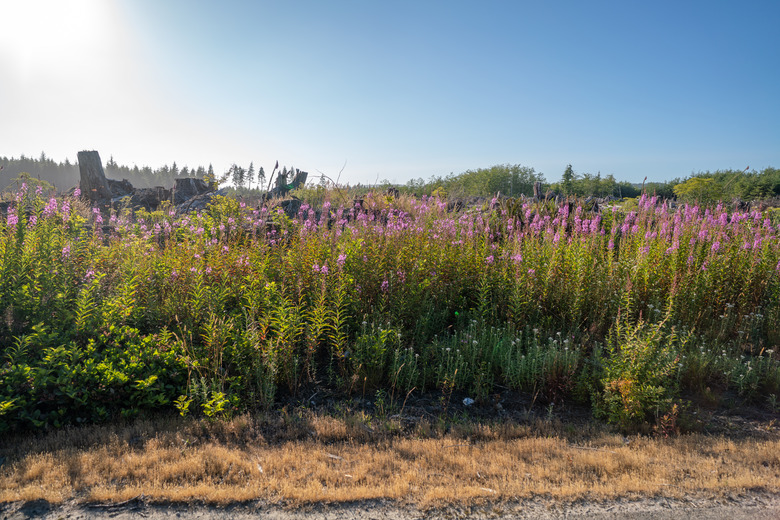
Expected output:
(753, 506)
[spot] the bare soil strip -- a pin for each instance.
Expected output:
(754, 506)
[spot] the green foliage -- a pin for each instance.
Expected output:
(727, 185)
(587, 184)
(699, 189)
(218, 312)
(512, 180)
(640, 373)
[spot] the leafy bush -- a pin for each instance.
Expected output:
(640, 373)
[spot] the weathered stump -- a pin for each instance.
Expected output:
(188, 188)
(94, 185)
(538, 195)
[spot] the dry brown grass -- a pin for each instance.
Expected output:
(327, 459)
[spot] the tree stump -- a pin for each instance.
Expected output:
(299, 179)
(538, 195)
(94, 184)
(187, 188)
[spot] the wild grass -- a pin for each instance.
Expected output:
(326, 459)
(108, 314)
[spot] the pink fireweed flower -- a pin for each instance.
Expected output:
(77, 193)
(341, 260)
(66, 251)
(715, 247)
(532, 271)
(385, 286)
(489, 259)
(51, 208)
(324, 269)
(12, 219)
(32, 221)
(22, 192)
(594, 224)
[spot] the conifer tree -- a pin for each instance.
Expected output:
(250, 174)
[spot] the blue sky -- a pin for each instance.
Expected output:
(396, 90)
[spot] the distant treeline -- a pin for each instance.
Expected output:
(729, 185)
(65, 175)
(512, 180)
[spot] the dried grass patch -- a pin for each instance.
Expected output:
(339, 461)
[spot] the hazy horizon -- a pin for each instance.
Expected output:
(395, 91)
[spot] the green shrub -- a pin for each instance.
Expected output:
(640, 374)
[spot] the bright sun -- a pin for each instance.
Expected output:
(39, 37)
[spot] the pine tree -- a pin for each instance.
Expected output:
(250, 174)
(238, 175)
(567, 183)
(260, 177)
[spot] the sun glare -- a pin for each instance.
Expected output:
(39, 37)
